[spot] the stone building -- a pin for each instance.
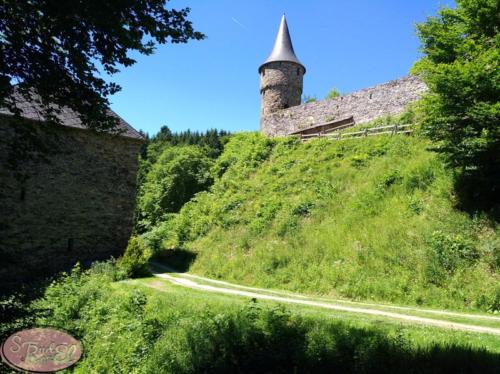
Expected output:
(281, 75)
(281, 82)
(67, 193)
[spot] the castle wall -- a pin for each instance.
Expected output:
(365, 105)
(280, 86)
(66, 195)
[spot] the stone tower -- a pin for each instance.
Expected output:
(281, 75)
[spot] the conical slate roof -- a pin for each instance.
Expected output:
(283, 48)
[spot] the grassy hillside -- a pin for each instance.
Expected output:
(151, 326)
(363, 219)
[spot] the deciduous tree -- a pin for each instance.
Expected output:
(57, 49)
(461, 60)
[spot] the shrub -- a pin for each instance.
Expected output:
(287, 225)
(415, 205)
(134, 262)
(420, 177)
(491, 303)
(359, 161)
(452, 251)
(129, 329)
(311, 202)
(264, 215)
(388, 179)
(173, 180)
(332, 94)
(309, 99)
(242, 154)
(303, 209)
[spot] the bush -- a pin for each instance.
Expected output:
(134, 262)
(332, 94)
(173, 180)
(303, 209)
(452, 251)
(314, 204)
(387, 180)
(419, 177)
(460, 65)
(491, 303)
(242, 154)
(359, 161)
(129, 330)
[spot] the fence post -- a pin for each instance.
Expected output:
(366, 133)
(395, 130)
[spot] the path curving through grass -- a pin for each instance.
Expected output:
(372, 309)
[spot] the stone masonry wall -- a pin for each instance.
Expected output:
(364, 105)
(66, 195)
(280, 86)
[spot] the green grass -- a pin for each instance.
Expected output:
(370, 219)
(150, 326)
(472, 318)
(420, 336)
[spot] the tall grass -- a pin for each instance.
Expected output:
(365, 219)
(129, 329)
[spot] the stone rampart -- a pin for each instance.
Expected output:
(66, 195)
(389, 98)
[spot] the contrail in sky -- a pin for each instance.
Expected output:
(238, 23)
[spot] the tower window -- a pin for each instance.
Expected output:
(263, 72)
(298, 71)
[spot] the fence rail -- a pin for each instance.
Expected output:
(374, 131)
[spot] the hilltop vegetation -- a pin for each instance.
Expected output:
(126, 327)
(362, 219)
(375, 218)
(461, 66)
(174, 167)
(384, 218)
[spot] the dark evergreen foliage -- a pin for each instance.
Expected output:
(212, 140)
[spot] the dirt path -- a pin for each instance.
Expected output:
(222, 287)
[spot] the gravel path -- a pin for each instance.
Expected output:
(252, 292)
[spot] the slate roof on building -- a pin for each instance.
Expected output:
(283, 47)
(32, 110)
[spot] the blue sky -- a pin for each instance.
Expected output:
(214, 83)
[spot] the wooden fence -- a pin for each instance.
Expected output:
(374, 131)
